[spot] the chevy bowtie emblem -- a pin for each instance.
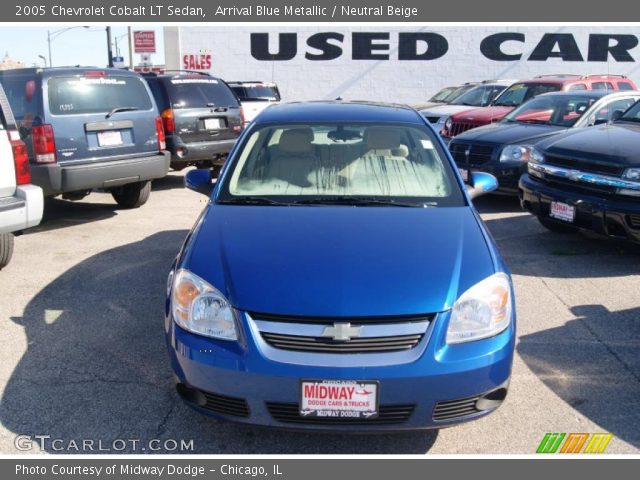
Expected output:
(342, 332)
(467, 152)
(574, 175)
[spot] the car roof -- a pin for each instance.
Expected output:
(588, 93)
(340, 110)
(250, 83)
(73, 70)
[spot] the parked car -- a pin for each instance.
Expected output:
(502, 148)
(588, 179)
(255, 97)
(21, 203)
(446, 95)
(88, 128)
(479, 96)
(374, 282)
(202, 117)
(520, 92)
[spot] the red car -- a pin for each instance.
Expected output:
(520, 92)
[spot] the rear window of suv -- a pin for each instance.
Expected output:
(78, 95)
(199, 93)
(256, 93)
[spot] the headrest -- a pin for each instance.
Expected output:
(381, 138)
(400, 151)
(296, 140)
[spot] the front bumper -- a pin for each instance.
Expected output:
(21, 211)
(60, 178)
(239, 381)
(187, 153)
(614, 217)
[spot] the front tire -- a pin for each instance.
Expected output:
(132, 195)
(556, 227)
(6, 249)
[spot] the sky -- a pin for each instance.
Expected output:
(77, 46)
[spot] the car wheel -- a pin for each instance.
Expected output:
(6, 249)
(556, 227)
(132, 195)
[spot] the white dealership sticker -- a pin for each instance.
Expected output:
(339, 399)
(562, 211)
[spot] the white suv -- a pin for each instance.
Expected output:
(21, 203)
(255, 97)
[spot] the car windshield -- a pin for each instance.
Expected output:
(456, 94)
(559, 110)
(96, 94)
(351, 164)
(519, 93)
(442, 94)
(200, 92)
(633, 114)
(253, 93)
(480, 96)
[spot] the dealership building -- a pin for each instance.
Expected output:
(397, 63)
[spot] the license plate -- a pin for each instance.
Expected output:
(562, 211)
(109, 138)
(212, 123)
(465, 174)
(339, 399)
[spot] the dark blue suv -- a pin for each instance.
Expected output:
(88, 128)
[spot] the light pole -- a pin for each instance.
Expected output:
(44, 60)
(51, 36)
(116, 40)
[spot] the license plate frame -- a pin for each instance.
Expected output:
(213, 124)
(364, 391)
(110, 138)
(562, 211)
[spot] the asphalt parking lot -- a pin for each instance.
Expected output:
(83, 353)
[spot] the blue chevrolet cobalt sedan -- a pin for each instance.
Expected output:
(340, 278)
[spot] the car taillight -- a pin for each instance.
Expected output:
(44, 146)
(162, 139)
(20, 158)
(238, 128)
(168, 121)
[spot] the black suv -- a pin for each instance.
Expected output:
(202, 117)
(588, 179)
(88, 128)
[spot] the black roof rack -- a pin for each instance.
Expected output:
(603, 75)
(548, 75)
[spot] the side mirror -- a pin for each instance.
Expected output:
(481, 183)
(199, 180)
(599, 121)
(616, 115)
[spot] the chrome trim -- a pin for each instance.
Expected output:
(580, 176)
(340, 359)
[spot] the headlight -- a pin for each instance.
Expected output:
(482, 311)
(632, 174)
(448, 123)
(521, 153)
(200, 308)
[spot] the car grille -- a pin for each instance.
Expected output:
(634, 221)
(354, 320)
(233, 406)
(579, 187)
(355, 345)
(585, 165)
(455, 408)
(460, 127)
(387, 414)
(478, 154)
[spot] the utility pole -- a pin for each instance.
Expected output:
(109, 52)
(130, 48)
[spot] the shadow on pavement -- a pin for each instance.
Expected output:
(592, 363)
(96, 367)
(60, 214)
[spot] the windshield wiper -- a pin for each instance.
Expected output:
(253, 200)
(538, 122)
(362, 201)
(121, 109)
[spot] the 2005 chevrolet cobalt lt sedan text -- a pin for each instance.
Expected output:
(340, 278)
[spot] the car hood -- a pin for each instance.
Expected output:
(421, 106)
(340, 261)
(617, 143)
(509, 133)
(482, 114)
(442, 110)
